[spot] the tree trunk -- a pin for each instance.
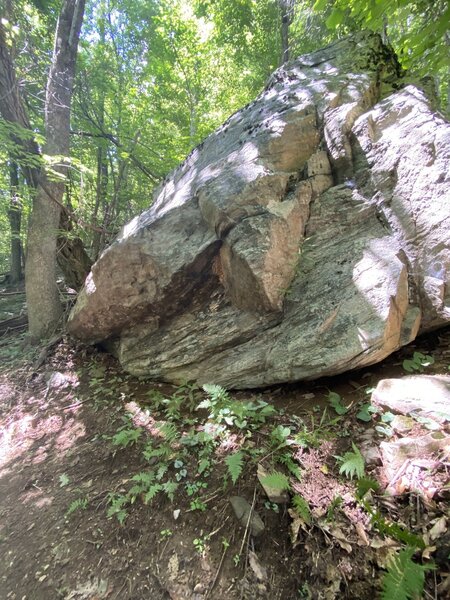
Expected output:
(15, 219)
(287, 15)
(71, 255)
(44, 306)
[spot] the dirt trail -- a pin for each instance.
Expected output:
(59, 470)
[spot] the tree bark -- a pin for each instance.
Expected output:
(15, 219)
(44, 305)
(287, 16)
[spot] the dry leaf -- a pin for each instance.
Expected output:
(362, 534)
(428, 552)
(438, 528)
(256, 566)
(297, 522)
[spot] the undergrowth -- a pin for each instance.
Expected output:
(185, 437)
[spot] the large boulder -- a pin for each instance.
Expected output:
(307, 236)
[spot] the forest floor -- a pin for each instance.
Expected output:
(114, 487)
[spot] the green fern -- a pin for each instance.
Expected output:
(151, 492)
(404, 579)
(126, 437)
(170, 487)
(117, 503)
(276, 480)
(79, 504)
(290, 464)
(301, 507)
(216, 393)
(352, 463)
(235, 463)
(364, 485)
(168, 431)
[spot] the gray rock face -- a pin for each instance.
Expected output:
(307, 236)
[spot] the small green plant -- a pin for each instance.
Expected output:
(279, 437)
(352, 463)
(365, 485)
(418, 362)
(63, 480)
(235, 464)
(393, 530)
(302, 508)
(195, 487)
(79, 504)
(384, 428)
(197, 504)
(334, 505)
(365, 413)
(165, 534)
(304, 592)
(336, 402)
(117, 503)
(273, 506)
(200, 544)
(404, 579)
(236, 559)
(126, 437)
(276, 480)
(181, 470)
(234, 413)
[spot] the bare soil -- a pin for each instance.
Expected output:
(59, 467)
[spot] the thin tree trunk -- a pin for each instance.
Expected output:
(44, 306)
(15, 220)
(287, 15)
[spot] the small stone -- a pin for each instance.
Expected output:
(402, 423)
(242, 510)
(371, 455)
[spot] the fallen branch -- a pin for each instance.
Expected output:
(13, 324)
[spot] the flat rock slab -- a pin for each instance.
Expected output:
(422, 395)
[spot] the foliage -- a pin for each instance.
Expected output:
(64, 480)
(404, 579)
(418, 362)
(366, 484)
(301, 507)
(352, 463)
(126, 437)
(277, 481)
(417, 29)
(183, 452)
(235, 463)
(336, 402)
(365, 413)
(79, 504)
(393, 530)
(243, 415)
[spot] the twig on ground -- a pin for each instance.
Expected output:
(248, 521)
(75, 404)
(211, 587)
